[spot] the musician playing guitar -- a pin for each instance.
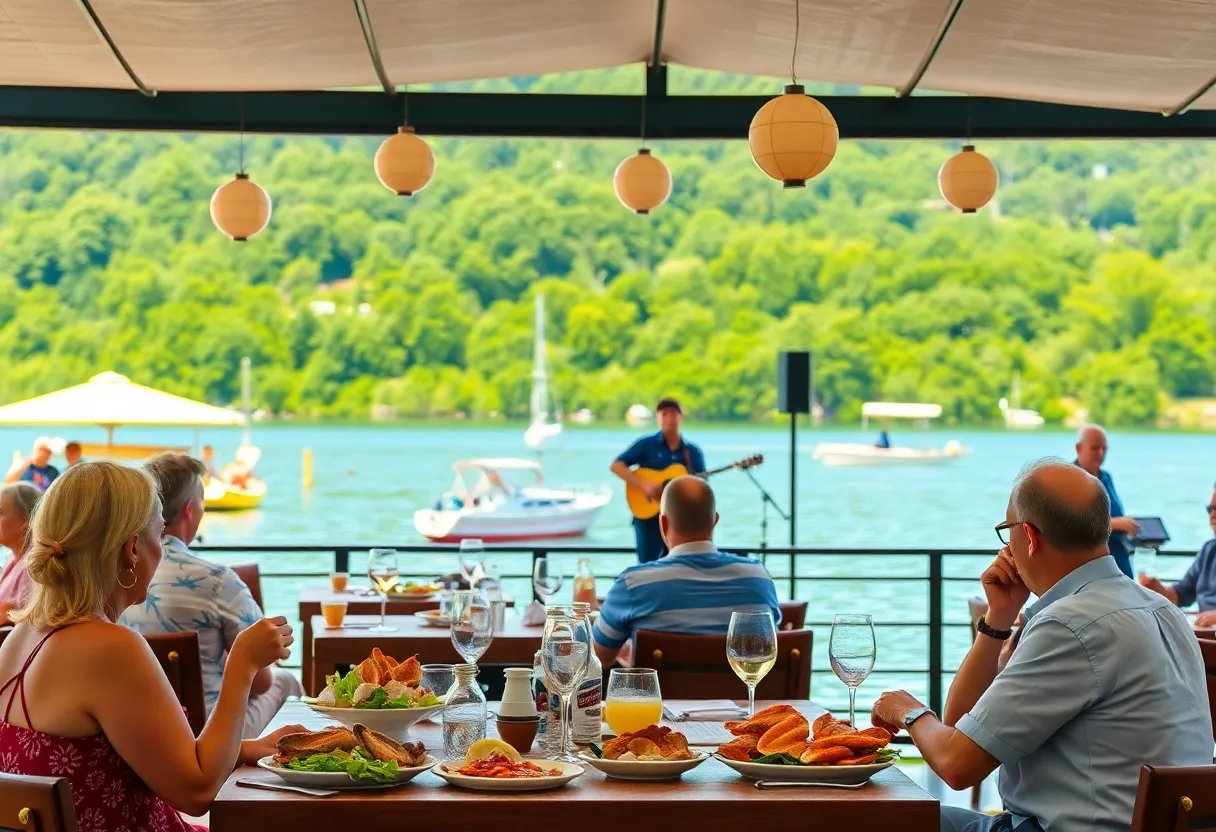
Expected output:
(656, 452)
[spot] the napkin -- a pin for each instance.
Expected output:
(712, 710)
(534, 615)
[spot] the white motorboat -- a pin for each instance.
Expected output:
(542, 428)
(1015, 416)
(852, 454)
(483, 503)
(638, 415)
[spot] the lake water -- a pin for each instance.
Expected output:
(369, 480)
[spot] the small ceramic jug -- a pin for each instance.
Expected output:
(517, 698)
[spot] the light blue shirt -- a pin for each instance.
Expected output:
(189, 593)
(693, 589)
(1107, 677)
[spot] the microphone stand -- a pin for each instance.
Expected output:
(766, 500)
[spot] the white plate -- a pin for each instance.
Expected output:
(339, 779)
(845, 775)
(447, 771)
(432, 620)
(392, 722)
(643, 769)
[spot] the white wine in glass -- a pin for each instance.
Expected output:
(382, 569)
(852, 652)
(751, 649)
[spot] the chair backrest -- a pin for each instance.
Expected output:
(1208, 648)
(793, 615)
(36, 804)
(1176, 799)
(694, 667)
(178, 655)
(252, 576)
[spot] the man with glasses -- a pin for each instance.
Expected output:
(1091, 453)
(1107, 677)
(1198, 585)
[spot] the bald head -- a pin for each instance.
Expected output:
(1068, 506)
(687, 511)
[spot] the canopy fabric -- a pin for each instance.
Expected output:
(503, 464)
(113, 400)
(1131, 54)
(900, 410)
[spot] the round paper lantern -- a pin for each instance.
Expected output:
(968, 180)
(642, 182)
(240, 208)
(404, 163)
(793, 137)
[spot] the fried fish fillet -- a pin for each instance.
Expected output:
(761, 722)
(791, 731)
(825, 756)
(881, 733)
(823, 721)
(854, 740)
(858, 761)
(387, 748)
(742, 748)
(304, 744)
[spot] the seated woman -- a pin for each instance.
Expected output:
(84, 698)
(17, 501)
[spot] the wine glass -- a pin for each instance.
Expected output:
(382, 569)
(565, 651)
(469, 558)
(633, 701)
(751, 649)
(472, 627)
(852, 651)
(546, 579)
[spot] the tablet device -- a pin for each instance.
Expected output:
(1152, 532)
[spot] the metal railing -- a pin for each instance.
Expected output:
(793, 569)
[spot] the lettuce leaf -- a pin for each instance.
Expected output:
(781, 759)
(344, 687)
(380, 701)
(354, 764)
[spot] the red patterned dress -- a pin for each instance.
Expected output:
(109, 796)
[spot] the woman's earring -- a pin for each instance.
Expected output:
(134, 579)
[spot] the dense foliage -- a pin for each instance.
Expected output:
(1092, 275)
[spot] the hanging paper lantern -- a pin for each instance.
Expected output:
(793, 137)
(240, 208)
(968, 180)
(404, 163)
(642, 182)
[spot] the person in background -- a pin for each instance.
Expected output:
(38, 468)
(1091, 452)
(884, 441)
(73, 453)
(1198, 585)
(692, 589)
(656, 452)
(17, 501)
(189, 593)
(85, 699)
(1106, 677)
(209, 470)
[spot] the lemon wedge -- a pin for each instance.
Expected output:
(482, 749)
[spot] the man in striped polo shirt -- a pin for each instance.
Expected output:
(692, 589)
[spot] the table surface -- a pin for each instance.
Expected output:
(711, 795)
(411, 628)
(321, 593)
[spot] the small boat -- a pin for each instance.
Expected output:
(855, 454)
(483, 503)
(542, 428)
(582, 416)
(221, 496)
(240, 490)
(638, 415)
(1015, 417)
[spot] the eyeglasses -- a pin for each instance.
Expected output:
(1003, 529)
(1210, 508)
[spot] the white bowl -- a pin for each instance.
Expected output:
(340, 779)
(392, 722)
(843, 775)
(432, 618)
(643, 769)
(569, 771)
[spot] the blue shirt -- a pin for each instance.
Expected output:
(693, 589)
(1107, 677)
(40, 476)
(653, 452)
(1199, 582)
(189, 593)
(1118, 545)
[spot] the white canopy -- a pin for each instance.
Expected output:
(1131, 54)
(112, 400)
(898, 410)
(499, 464)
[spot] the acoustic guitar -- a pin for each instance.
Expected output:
(644, 508)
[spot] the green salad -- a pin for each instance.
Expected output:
(884, 755)
(344, 695)
(354, 763)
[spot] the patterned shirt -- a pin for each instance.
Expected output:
(188, 593)
(693, 590)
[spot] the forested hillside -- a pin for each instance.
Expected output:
(1091, 274)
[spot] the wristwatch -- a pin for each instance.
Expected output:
(915, 714)
(981, 626)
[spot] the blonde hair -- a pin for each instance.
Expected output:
(76, 537)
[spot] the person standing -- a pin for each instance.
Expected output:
(1198, 585)
(38, 468)
(656, 452)
(17, 501)
(1091, 452)
(73, 453)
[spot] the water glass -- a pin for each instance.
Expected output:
(633, 700)
(438, 678)
(382, 569)
(469, 559)
(565, 651)
(852, 651)
(472, 624)
(751, 649)
(546, 579)
(1145, 559)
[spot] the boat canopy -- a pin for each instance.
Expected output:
(499, 464)
(900, 410)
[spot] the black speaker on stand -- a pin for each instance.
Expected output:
(793, 397)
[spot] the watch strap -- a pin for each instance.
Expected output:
(981, 626)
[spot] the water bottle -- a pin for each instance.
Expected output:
(586, 723)
(548, 731)
(464, 713)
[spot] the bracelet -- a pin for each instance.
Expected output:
(981, 626)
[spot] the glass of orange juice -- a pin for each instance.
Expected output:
(334, 613)
(337, 581)
(633, 701)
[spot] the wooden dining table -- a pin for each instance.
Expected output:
(516, 644)
(711, 796)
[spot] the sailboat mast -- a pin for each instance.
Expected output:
(246, 365)
(540, 379)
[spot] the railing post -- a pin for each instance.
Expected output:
(793, 576)
(537, 554)
(341, 560)
(936, 630)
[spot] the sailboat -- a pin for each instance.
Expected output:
(542, 428)
(220, 495)
(1015, 416)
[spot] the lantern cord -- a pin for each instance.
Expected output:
(644, 108)
(242, 151)
(797, 27)
(405, 106)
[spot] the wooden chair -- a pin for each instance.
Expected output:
(793, 614)
(1208, 648)
(249, 573)
(36, 804)
(178, 655)
(1176, 799)
(694, 667)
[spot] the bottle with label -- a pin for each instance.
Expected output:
(584, 584)
(586, 704)
(547, 730)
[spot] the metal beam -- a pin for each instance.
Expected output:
(660, 20)
(1191, 99)
(931, 52)
(373, 51)
(576, 116)
(100, 29)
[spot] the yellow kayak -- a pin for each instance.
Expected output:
(222, 496)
